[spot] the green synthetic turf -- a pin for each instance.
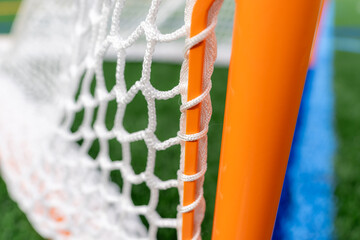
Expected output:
(13, 223)
(347, 164)
(7, 19)
(347, 122)
(347, 13)
(8, 9)
(164, 77)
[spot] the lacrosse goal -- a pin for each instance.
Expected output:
(60, 170)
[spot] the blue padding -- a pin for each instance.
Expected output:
(306, 208)
(348, 44)
(5, 27)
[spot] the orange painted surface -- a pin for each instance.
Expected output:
(271, 49)
(196, 66)
(54, 214)
(313, 54)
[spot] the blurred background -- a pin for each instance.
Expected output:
(321, 195)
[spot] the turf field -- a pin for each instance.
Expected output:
(347, 120)
(14, 225)
(7, 16)
(347, 164)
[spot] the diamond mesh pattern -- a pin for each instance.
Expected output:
(54, 72)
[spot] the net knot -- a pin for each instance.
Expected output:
(151, 31)
(197, 100)
(193, 137)
(191, 42)
(193, 205)
(191, 178)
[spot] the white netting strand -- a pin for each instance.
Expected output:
(52, 73)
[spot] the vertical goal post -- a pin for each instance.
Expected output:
(193, 115)
(271, 47)
(272, 42)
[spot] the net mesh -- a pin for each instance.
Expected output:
(52, 73)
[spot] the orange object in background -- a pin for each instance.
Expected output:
(272, 42)
(313, 54)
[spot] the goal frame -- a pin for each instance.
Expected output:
(272, 43)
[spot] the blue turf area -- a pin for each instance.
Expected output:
(306, 208)
(5, 27)
(348, 44)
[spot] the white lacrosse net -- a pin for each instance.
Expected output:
(51, 73)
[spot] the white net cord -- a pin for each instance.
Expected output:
(52, 71)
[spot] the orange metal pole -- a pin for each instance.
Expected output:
(314, 46)
(195, 80)
(271, 49)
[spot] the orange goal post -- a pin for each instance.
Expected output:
(52, 71)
